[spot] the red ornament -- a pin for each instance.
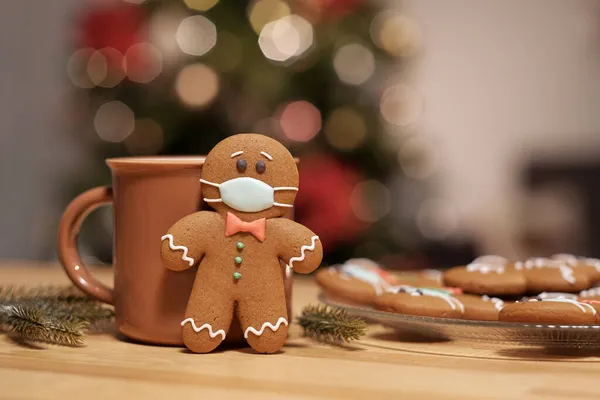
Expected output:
(324, 199)
(116, 25)
(338, 8)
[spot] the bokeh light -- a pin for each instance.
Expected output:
(97, 68)
(197, 85)
(114, 121)
(201, 5)
(371, 200)
(264, 11)
(401, 105)
(354, 63)
(113, 60)
(345, 128)
(286, 38)
(436, 219)
(300, 121)
(162, 32)
(396, 34)
(196, 35)
(418, 157)
(147, 138)
(77, 68)
(88, 68)
(142, 62)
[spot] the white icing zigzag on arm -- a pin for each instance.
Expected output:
(184, 257)
(269, 325)
(303, 250)
(205, 326)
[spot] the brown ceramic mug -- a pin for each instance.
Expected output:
(148, 194)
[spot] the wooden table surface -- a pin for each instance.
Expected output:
(379, 366)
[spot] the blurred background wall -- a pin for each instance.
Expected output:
(506, 84)
(498, 95)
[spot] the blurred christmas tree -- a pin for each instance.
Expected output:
(176, 77)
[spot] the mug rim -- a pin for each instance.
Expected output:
(171, 162)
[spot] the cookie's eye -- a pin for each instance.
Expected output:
(241, 165)
(261, 167)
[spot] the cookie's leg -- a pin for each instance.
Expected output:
(206, 322)
(264, 320)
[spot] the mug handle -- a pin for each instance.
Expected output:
(68, 231)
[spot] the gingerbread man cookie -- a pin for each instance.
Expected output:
(250, 180)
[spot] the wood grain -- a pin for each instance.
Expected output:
(381, 366)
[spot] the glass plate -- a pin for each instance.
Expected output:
(489, 331)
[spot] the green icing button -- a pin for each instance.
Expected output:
(240, 246)
(237, 276)
(238, 260)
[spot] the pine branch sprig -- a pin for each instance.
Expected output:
(31, 324)
(58, 315)
(64, 293)
(331, 325)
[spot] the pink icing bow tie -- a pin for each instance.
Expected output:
(257, 228)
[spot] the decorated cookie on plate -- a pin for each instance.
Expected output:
(589, 266)
(480, 308)
(429, 278)
(556, 311)
(490, 278)
(357, 280)
(437, 303)
(549, 275)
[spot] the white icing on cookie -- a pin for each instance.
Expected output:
(205, 326)
(490, 260)
(453, 302)
(498, 303)
(269, 325)
(594, 262)
(237, 153)
(267, 155)
(485, 268)
(555, 295)
(566, 272)
(303, 251)
(574, 260)
(581, 306)
(276, 204)
(184, 257)
(568, 258)
(365, 271)
(595, 291)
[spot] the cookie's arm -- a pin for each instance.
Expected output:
(299, 247)
(184, 245)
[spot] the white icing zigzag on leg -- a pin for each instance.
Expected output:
(184, 257)
(303, 250)
(205, 326)
(266, 325)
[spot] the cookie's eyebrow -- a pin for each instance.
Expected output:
(237, 153)
(267, 155)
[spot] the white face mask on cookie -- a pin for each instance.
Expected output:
(247, 194)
